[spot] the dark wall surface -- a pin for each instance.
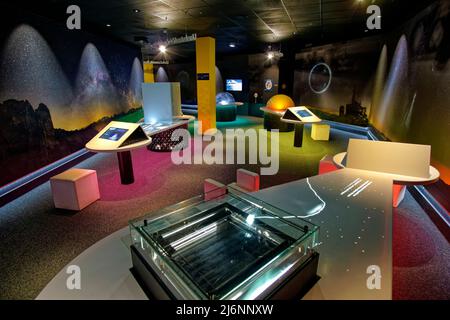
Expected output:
(400, 80)
(254, 70)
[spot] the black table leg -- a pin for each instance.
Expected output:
(298, 135)
(125, 167)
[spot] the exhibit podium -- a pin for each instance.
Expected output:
(121, 138)
(299, 116)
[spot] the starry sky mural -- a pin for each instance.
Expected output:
(55, 84)
(80, 77)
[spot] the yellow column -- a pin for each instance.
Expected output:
(148, 73)
(206, 82)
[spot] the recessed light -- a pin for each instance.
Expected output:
(232, 45)
(162, 49)
(136, 10)
(108, 25)
(270, 55)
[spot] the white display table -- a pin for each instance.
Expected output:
(118, 137)
(299, 116)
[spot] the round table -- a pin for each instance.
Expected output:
(123, 156)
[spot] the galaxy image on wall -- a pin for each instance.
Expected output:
(58, 88)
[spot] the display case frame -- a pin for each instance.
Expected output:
(261, 250)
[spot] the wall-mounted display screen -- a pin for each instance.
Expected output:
(234, 84)
(113, 134)
(304, 113)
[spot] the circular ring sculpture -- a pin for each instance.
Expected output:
(321, 64)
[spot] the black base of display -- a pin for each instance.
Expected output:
(300, 282)
(298, 135)
(226, 113)
(125, 167)
(147, 279)
(295, 287)
(273, 122)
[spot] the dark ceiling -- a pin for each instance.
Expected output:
(251, 25)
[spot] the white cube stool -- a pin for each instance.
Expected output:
(75, 189)
(320, 131)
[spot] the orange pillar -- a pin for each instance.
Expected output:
(206, 82)
(148, 73)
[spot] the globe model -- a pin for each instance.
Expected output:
(225, 99)
(280, 102)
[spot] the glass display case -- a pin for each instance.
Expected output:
(230, 247)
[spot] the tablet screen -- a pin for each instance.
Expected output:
(304, 113)
(113, 134)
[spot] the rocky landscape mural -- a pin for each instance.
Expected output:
(29, 140)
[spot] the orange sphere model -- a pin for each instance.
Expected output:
(280, 102)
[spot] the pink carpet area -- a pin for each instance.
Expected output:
(421, 255)
(150, 173)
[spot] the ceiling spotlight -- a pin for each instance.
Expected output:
(270, 55)
(136, 10)
(108, 25)
(232, 45)
(162, 48)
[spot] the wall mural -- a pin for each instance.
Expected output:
(54, 98)
(400, 82)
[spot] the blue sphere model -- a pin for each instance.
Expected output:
(225, 99)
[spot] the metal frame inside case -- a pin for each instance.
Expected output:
(230, 247)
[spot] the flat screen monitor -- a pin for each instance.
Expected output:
(304, 113)
(113, 134)
(234, 84)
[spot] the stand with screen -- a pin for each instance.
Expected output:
(120, 138)
(299, 116)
